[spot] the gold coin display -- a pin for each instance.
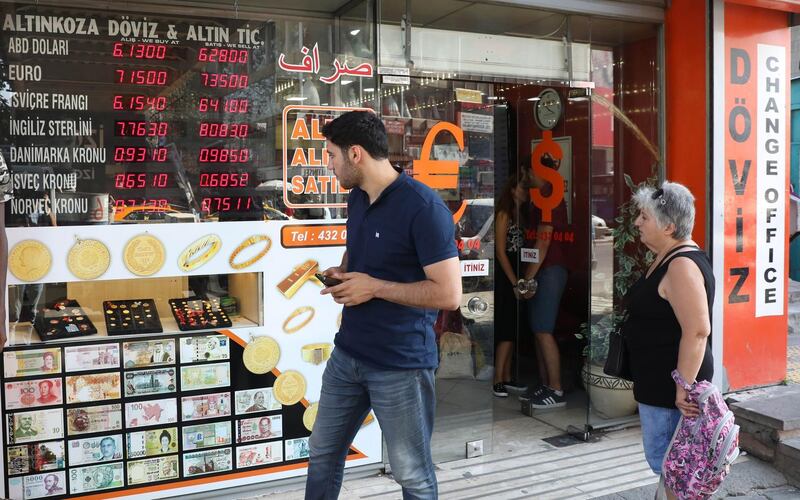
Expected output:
(144, 255)
(261, 355)
(88, 259)
(29, 260)
(199, 252)
(310, 416)
(289, 387)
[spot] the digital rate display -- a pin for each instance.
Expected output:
(153, 111)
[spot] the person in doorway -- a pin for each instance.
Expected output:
(400, 266)
(549, 270)
(510, 222)
(669, 316)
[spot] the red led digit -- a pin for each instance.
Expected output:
(224, 80)
(139, 155)
(140, 50)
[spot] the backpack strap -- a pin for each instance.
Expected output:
(678, 378)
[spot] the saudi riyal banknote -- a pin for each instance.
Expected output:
(205, 376)
(47, 484)
(35, 457)
(39, 425)
(255, 400)
(152, 442)
(205, 348)
(258, 454)
(82, 358)
(254, 429)
(145, 382)
(95, 449)
(148, 353)
(33, 393)
(154, 469)
(96, 477)
(200, 436)
(297, 448)
(31, 362)
(88, 388)
(207, 462)
(206, 406)
(143, 413)
(89, 419)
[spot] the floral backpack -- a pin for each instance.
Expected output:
(703, 448)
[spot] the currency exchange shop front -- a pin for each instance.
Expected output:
(171, 206)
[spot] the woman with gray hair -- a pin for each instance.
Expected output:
(669, 316)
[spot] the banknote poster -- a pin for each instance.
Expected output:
(91, 357)
(152, 442)
(207, 462)
(256, 400)
(200, 436)
(259, 428)
(38, 425)
(151, 470)
(33, 393)
(297, 448)
(97, 387)
(146, 382)
(48, 484)
(258, 454)
(96, 477)
(95, 449)
(90, 419)
(148, 353)
(205, 376)
(31, 362)
(204, 348)
(35, 457)
(145, 413)
(206, 406)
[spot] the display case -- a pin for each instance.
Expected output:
(166, 333)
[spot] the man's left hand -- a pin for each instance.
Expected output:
(355, 289)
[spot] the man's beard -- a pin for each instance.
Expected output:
(350, 177)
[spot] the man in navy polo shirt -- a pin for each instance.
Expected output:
(400, 267)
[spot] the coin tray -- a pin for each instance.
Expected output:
(63, 319)
(129, 317)
(195, 313)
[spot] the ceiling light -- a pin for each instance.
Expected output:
(369, 89)
(355, 32)
(534, 98)
(347, 82)
(296, 98)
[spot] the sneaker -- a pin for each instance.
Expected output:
(513, 385)
(548, 399)
(499, 390)
(528, 395)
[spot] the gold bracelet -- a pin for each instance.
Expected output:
(192, 258)
(297, 312)
(316, 353)
(246, 243)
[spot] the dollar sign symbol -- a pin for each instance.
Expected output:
(547, 203)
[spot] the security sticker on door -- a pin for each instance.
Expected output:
(530, 255)
(477, 267)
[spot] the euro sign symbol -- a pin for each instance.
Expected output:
(547, 147)
(438, 174)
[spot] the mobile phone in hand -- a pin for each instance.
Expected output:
(327, 280)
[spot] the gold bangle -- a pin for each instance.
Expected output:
(316, 353)
(191, 258)
(297, 312)
(246, 243)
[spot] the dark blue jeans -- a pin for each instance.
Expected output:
(404, 402)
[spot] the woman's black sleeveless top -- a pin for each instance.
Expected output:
(653, 334)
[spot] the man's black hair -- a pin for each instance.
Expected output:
(359, 128)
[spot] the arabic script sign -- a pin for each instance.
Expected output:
(310, 64)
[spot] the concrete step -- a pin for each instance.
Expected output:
(794, 318)
(794, 291)
(767, 421)
(787, 460)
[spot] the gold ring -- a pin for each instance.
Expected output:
(199, 252)
(246, 243)
(297, 312)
